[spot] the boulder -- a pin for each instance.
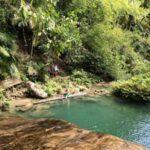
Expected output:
(36, 91)
(19, 134)
(9, 83)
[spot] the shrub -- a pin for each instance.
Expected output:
(112, 53)
(84, 78)
(8, 41)
(106, 42)
(87, 12)
(142, 46)
(123, 13)
(60, 39)
(52, 87)
(133, 62)
(136, 88)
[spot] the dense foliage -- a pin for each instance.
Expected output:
(78, 81)
(7, 60)
(137, 88)
(107, 38)
(83, 78)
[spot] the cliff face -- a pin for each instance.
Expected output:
(19, 134)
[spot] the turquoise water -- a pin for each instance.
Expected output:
(110, 115)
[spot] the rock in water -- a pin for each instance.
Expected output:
(20, 134)
(36, 91)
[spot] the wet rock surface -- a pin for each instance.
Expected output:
(22, 104)
(17, 133)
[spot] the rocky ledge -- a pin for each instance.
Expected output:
(17, 133)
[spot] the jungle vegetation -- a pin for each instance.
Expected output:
(108, 39)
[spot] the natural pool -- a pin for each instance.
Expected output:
(110, 115)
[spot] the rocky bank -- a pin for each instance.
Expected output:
(17, 133)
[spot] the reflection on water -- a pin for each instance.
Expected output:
(129, 121)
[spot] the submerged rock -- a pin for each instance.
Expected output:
(17, 133)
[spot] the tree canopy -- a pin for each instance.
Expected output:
(108, 38)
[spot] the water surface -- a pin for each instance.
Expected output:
(130, 121)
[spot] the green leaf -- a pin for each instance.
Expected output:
(4, 52)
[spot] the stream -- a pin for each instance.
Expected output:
(105, 114)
